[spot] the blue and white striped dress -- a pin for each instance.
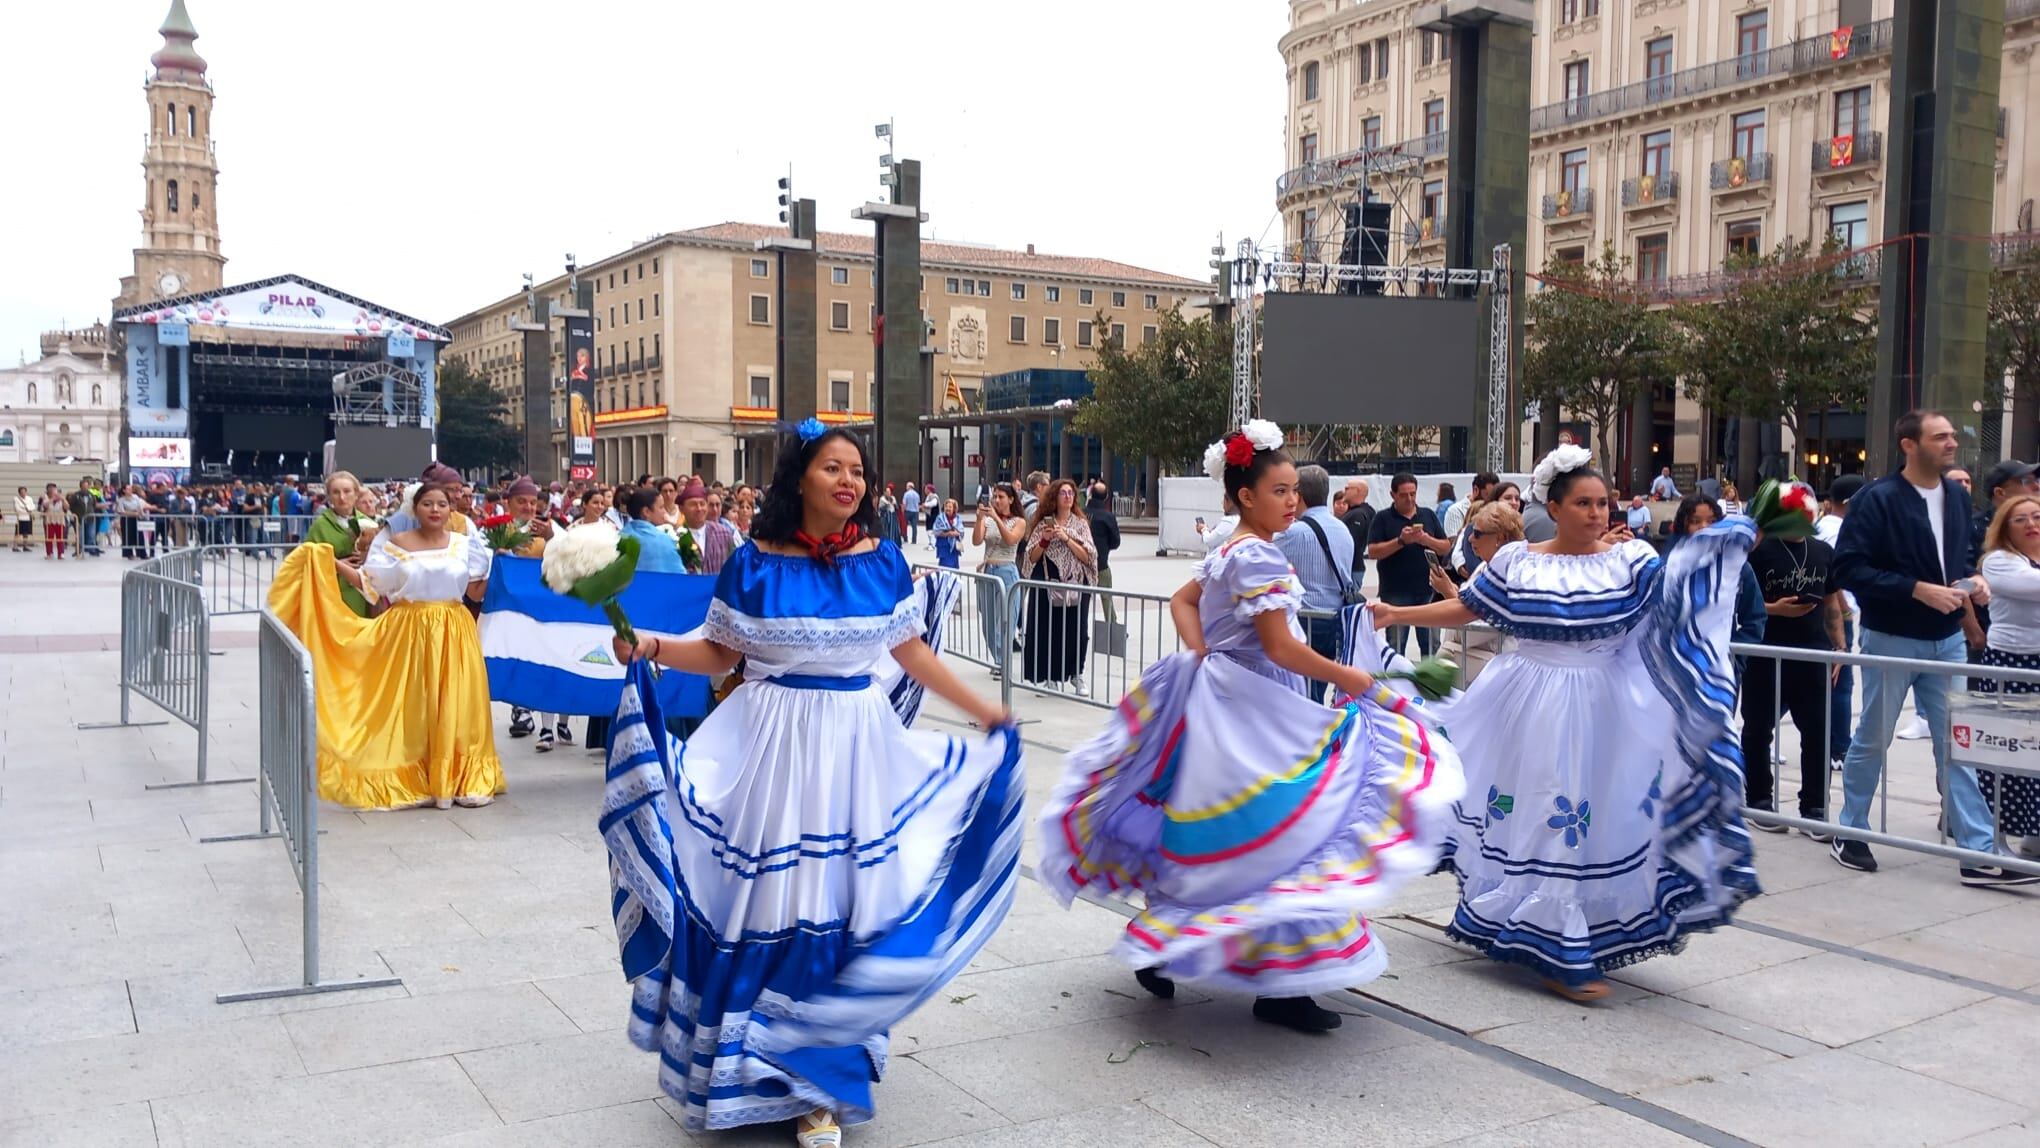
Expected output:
(804, 871)
(1602, 818)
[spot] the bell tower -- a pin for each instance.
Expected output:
(180, 251)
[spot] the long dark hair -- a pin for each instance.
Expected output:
(1044, 508)
(781, 509)
(1682, 518)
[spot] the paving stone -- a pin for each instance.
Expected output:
(186, 1000)
(1734, 1027)
(1836, 1097)
(1121, 1126)
(1474, 996)
(1417, 946)
(1851, 910)
(533, 910)
(1026, 998)
(361, 1108)
(1627, 1049)
(640, 1125)
(81, 924)
(1583, 1126)
(36, 1016)
(211, 947)
(1039, 929)
(413, 1028)
(1833, 999)
(596, 1002)
(1988, 1047)
(2022, 1134)
(117, 1126)
(1962, 948)
(1713, 956)
(44, 1079)
(916, 1105)
(440, 968)
(563, 1074)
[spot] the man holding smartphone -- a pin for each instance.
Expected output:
(1398, 542)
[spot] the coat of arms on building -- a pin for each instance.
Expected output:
(967, 335)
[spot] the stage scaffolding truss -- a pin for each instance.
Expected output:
(378, 394)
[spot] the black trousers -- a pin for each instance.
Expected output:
(1802, 689)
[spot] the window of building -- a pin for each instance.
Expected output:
(1366, 64)
(1306, 149)
(173, 120)
(655, 305)
(1150, 302)
(612, 314)
(1018, 290)
(170, 196)
(191, 121)
(194, 199)
(1434, 117)
(1051, 332)
(1381, 58)
(871, 317)
(1119, 335)
(839, 276)
(1852, 111)
(1149, 334)
(1425, 51)
(1310, 80)
(655, 345)
(1849, 224)
(1084, 296)
(761, 269)
(984, 288)
(761, 391)
(1657, 58)
(839, 394)
(1053, 294)
(949, 285)
(1370, 132)
(1572, 170)
(1753, 32)
(839, 315)
(761, 309)
(1084, 332)
(612, 280)
(1119, 298)
(1746, 134)
(1657, 153)
(1016, 329)
(1577, 77)
(1434, 198)
(1653, 255)
(1573, 11)
(1745, 238)
(655, 265)
(641, 310)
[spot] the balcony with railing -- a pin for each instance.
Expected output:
(1429, 229)
(1812, 54)
(1644, 191)
(1362, 162)
(1739, 172)
(1576, 203)
(1848, 153)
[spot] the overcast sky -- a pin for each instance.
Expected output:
(424, 154)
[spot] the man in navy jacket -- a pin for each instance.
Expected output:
(1906, 546)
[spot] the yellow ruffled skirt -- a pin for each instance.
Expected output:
(403, 698)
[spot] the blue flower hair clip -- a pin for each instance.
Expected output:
(810, 429)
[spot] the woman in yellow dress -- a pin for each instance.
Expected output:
(403, 698)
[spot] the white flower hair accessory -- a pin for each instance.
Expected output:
(1565, 458)
(1263, 434)
(1214, 461)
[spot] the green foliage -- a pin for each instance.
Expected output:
(1168, 399)
(1597, 342)
(2014, 344)
(473, 421)
(1794, 334)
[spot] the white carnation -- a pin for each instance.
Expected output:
(576, 554)
(1214, 461)
(1566, 457)
(1264, 435)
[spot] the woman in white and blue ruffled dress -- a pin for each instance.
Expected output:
(1602, 822)
(1260, 825)
(803, 871)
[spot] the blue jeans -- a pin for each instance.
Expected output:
(1969, 820)
(999, 631)
(1841, 699)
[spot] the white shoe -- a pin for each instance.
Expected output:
(1915, 730)
(1077, 685)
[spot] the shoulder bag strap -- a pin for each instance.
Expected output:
(1324, 544)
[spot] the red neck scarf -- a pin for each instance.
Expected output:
(824, 550)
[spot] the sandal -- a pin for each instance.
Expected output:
(1580, 994)
(818, 1129)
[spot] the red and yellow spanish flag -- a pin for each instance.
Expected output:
(1838, 46)
(1841, 151)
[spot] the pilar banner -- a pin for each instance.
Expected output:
(580, 350)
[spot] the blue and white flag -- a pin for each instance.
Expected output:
(937, 591)
(551, 653)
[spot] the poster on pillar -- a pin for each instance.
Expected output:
(580, 351)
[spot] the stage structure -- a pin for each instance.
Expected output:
(253, 380)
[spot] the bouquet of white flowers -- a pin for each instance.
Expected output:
(593, 564)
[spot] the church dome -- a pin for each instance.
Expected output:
(177, 53)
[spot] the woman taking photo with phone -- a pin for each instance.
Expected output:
(1059, 550)
(999, 529)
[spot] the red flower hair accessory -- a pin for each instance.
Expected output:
(1238, 450)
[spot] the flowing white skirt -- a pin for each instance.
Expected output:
(792, 880)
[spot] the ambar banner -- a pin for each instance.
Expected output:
(581, 391)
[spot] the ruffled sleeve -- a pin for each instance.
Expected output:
(1256, 577)
(385, 568)
(908, 620)
(721, 626)
(1487, 592)
(479, 558)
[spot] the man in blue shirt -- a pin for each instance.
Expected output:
(1663, 488)
(1320, 549)
(1905, 556)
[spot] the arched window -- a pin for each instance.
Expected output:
(194, 199)
(170, 195)
(191, 120)
(98, 395)
(172, 129)
(31, 392)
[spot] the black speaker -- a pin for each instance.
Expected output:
(1365, 244)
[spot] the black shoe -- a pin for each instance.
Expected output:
(1854, 855)
(545, 741)
(1156, 983)
(563, 733)
(1759, 826)
(1819, 836)
(1988, 876)
(520, 723)
(1300, 1013)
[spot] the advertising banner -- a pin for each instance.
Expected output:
(149, 453)
(155, 403)
(1999, 737)
(287, 305)
(580, 358)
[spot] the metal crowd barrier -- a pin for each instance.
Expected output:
(236, 576)
(970, 637)
(289, 774)
(165, 647)
(1092, 650)
(1996, 733)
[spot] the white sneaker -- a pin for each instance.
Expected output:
(1915, 730)
(1077, 685)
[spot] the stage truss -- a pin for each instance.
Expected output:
(1252, 277)
(1393, 175)
(378, 394)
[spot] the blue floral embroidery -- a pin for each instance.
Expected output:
(1656, 794)
(1574, 822)
(1499, 804)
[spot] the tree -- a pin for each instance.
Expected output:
(2014, 343)
(1167, 399)
(475, 432)
(1791, 337)
(1598, 343)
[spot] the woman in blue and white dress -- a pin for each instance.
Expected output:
(1602, 819)
(803, 871)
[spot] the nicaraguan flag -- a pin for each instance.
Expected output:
(551, 653)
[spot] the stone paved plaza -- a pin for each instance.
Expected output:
(1895, 1008)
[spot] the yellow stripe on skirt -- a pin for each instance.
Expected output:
(403, 698)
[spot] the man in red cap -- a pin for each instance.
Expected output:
(713, 536)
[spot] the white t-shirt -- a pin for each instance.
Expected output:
(1828, 528)
(1936, 511)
